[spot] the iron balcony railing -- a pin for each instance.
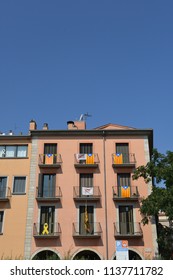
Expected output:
(92, 192)
(46, 230)
(48, 193)
(5, 193)
(125, 192)
(50, 160)
(89, 230)
(86, 159)
(127, 230)
(123, 159)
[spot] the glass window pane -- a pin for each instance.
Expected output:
(22, 151)
(10, 151)
(2, 151)
(19, 185)
(1, 220)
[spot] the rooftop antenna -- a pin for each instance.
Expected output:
(83, 117)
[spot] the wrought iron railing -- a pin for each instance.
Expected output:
(5, 193)
(46, 230)
(126, 229)
(87, 230)
(87, 159)
(120, 159)
(50, 159)
(48, 192)
(86, 192)
(125, 192)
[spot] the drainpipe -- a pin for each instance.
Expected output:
(105, 194)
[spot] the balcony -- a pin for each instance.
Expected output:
(5, 194)
(86, 160)
(92, 231)
(125, 193)
(50, 161)
(45, 231)
(48, 194)
(123, 160)
(127, 230)
(86, 193)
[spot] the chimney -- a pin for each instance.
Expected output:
(81, 125)
(32, 125)
(45, 126)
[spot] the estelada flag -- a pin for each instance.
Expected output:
(90, 159)
(125, 191)
(49, 159)
(118, 158)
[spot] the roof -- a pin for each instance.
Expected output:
(113, 126)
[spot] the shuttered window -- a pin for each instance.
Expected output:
(3, 186)
(1, 220)
(86, 148)
(19, 185)
(123, 148)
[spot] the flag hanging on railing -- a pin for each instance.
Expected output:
(118, 158)
(86, 220)
(49, 159)
(87, 190)
(80, 157)
(125, 191)
(90, 159)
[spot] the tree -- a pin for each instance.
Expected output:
(159, 170)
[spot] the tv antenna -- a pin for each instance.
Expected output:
(83, 117)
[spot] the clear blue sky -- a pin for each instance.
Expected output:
(111, 58)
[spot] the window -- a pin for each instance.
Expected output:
(123, 148)
(17, 151)
(86, 184)
(19, 185)
(126, 224)
(47, 216)
(3, 186)
(46, 185)
(1, 220)
(86, 220)
(86, 148)
(50, 150)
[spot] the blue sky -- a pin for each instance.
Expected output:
(111, 58)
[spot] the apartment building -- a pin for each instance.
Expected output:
(79, 197)
(14, 181)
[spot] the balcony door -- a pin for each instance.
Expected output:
(47, 185)
(3, 186)
(86, 220)
(123, 180)
(50, 151)
(126, 225)
(86, 184)
(47, 217)
(123, 148)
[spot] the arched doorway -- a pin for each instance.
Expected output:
(46, 255)
(86, 255)
(133, 256)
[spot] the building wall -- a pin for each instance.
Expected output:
(15, 209)
(106, 210)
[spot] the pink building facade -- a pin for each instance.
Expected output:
(81, 196)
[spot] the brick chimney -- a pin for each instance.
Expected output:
(45, 126)
(32, 125)
(73, 125)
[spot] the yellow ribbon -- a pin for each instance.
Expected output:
(45, 230)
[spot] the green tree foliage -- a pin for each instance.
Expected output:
(159, 171)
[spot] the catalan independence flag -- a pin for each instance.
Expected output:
(90, 159)
(49, 159)
(118, 158)
(125, 191)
